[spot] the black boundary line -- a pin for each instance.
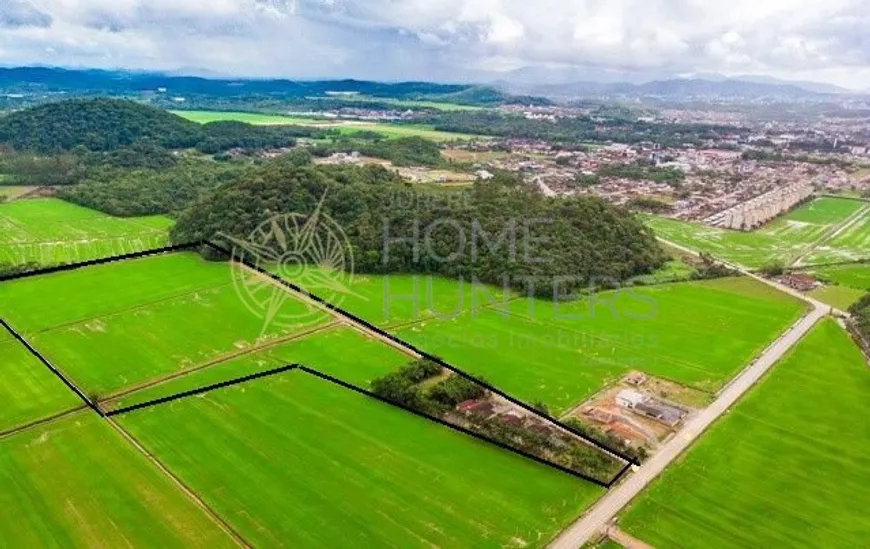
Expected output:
(620, 474)
(201, 390)
(342, 312)
(72, 387)
(354, 388)
(101, 261)
(420, 352)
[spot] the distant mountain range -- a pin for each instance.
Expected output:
(34, 81)
(573, 83)
(521, 86)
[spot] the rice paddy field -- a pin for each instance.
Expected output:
(345, 127)
(288, 460)
(394, 300)
(340, 352)
(852, 243)
(120, 341)
(77, 483)
(846, 284)
(698, 334)
(294, 461)
(29, 392)
(785, 468)
(49, 232)
(854, 276)
(786, 239)
(694, 333)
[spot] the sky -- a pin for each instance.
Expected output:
(446, 40)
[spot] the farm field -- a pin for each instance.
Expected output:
(361, 471)
(855, 276)
(394, 300)
(410, 104)
(345, 127)
(29, 391)
(841, 297)
(121, 341)
(695, 333)
(784, 468)
(50, 231)
(76, 483)
(31, 305)
(847, 284)
(852, 244)
(340, 352)
(785, 239)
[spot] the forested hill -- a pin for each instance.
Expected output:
(102, 125)
(580, 237)
(97, 124)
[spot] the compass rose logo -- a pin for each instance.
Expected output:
(309, 250)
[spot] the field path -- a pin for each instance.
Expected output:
(193, 496)
(746, 272)
(597, 517)
(831, 234)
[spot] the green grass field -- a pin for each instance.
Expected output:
(294, 461)
(785, 468)
(49, 231)
(76, 483)
(393, 300)
(855, 276)
(345, 127)
(841, 297)
(852, 244)
(785, 239)
(123, 336)
(696, 333)
(561, 355)
(28, 391)
(847, 284)
(339, 352)
(31, 304)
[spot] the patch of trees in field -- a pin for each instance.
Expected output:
(498, 231)
(416, 386)
(404, 151)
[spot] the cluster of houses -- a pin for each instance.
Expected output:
(506, 414)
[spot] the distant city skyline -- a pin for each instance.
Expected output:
(451, 40)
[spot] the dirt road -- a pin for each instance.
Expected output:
(602, 512)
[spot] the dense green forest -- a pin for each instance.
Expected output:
(147, 191)
(106, 125)
(543, 240)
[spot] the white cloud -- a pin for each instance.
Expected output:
(445, 39)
